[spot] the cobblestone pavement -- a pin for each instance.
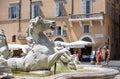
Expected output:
(115, 64)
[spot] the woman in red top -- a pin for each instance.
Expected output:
(98, 56)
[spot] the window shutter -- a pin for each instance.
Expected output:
(57, 8)
(62, 30)
(9, 13)
(17, 11)
(36, 9)
(32, 10)
(90, 6)
(56, 29)
(83, 4)
(61, 6)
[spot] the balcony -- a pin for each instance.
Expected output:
(87, 17)
(53, 33)
(21, 37)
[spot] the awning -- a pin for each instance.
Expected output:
(24, 47)
(77, 44)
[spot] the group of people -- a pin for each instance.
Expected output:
(99, 56)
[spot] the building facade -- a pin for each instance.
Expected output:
(75, 20)
(113, 17)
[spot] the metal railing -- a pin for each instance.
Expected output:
(82, 16)
(52, 33)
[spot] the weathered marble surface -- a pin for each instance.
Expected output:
(42, 55)
(5, 71)
(4, 50)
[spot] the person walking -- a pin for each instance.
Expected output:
(98, 56)
(78, 54)
(107, 55)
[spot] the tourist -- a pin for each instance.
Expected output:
(98, 56)
(78, 55)
(107, 55)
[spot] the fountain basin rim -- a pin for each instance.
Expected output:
(99, 73)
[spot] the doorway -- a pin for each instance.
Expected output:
(86, 53)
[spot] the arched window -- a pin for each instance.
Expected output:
(59, 39)
(87, 39)
(14, 38)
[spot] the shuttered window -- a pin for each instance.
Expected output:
(86, 6)
(59, 8)
(13, 11)
(35, 9)
(59, 30)
(86, 28)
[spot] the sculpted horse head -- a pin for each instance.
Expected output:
(36, 27)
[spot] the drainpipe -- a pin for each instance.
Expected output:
(30, 9)
(20, 1)
(72, 12)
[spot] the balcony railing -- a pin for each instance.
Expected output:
(95, 16)
(21, 37)
(52, 33)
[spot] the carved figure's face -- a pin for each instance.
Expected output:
(41, 25)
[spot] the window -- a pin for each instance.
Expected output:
(86, 28)
(86, 6)
(87, 39)
(13, 11)
(117, 1)
(59, 39)
(35, 9)
(58, 30)
(14, 38)
(59, 8)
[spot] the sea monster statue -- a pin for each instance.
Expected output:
(42, 55)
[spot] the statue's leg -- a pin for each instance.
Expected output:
(53, 58)
(66, 57)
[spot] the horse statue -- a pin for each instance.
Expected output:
(42, 55)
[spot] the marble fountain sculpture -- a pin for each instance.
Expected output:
(43, 54)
